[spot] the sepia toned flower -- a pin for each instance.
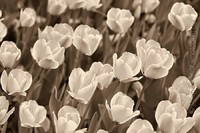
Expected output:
(27, 17)
(84, 89)
(196, 79)
(76, 4)
(119, 20)
(196, 117)
(56, 7)
(156, 61)
(102, 131)
(3, 30)
(181, 91)
(86, 39)
(68, 120)
(9, 54)
(182, 16)
(126, 67)
(119, 103)
(175, 116)
(62, 33)
(31, 114)
(140, 126)
(104, 74)
(17, 81)
(92, 4)
(48, 54)
(5, 114)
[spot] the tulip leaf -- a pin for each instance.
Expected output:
(93, 122)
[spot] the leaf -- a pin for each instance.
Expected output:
(93, 122)
(3, 130)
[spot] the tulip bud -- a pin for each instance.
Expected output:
(3, 30)
(175, 116)
(119, 20)
(103, 73)
(182, 16)
(137, 86)
(92, 4)
(156, 61)
(121, 103)
(27, 17)
(9, 54)
(68, 120)
(5, 114)
(149, 5)
(48, 54)
(102, 131)
(140, 126)
(31, 114)
(18, 81)
(126, 67)
(196, 117)
(76, 4)
(61, 33)
(181, 92)
(86, 39)
(84, 89)
(56, 7)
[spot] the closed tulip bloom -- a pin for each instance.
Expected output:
(3, 30)
(181, 92)
(102, 131)
(126, 67)
(119, 20)
(61, 33)
(27, 17)
(48, 54)
(196, 79)
(92, 4)
(156, 61)
(196, 117)
(121, 103)
(140, 126)
(149, 5)
(182, 16)
(5, 114)
(31, 114)
(17, 81)
(104, 74)
(9, 54)
(84, 89)
(76, 4)
(68, 120)
(86, 39)
(174, 115)
(56, 7)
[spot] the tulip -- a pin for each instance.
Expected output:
(156, 61)
(18, 81)
(56, 7)
(196, 79)
(182, 16)
(126, 67)
(5, 114)
(174, 115)
(31, 114)
(68, 120)
(119, 20)
(196, 117)
(102, 131)
(103, 73)
(181, 92)
(3, 30)
(140, 126)
(27, 17)
(61, 33)
(121, 103)
(9, 54)
(86, 39)
(84, 89)
(149, 5)
(92, 4)
(48, 54)
(76, 4)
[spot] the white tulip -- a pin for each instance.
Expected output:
(121, 103)
(31, 114)
(3, 30)
(92, 4)
(27, 17)
(102, 131)
(18, 81)
(196, 117)
(76, 4)
(56, 7)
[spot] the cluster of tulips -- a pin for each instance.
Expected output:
(93, 100)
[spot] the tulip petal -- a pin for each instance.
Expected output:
(166, 119)
(187, 125)
(4, 80)
(48, 63)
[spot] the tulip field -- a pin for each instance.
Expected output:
(99, 66)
